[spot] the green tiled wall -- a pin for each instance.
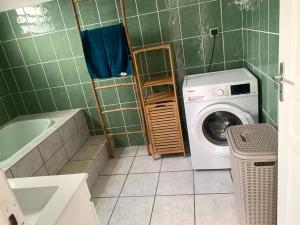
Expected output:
(261, 44)
(42, 59)
(8, 109)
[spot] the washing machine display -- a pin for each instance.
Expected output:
(213, 102)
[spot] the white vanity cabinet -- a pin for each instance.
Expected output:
(80, 210)
(55, 200)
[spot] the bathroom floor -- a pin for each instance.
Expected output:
(134, 189)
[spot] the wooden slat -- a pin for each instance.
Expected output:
(166, 134)
(77, 1)
(162, 121)
(151, 48)
(121, 109)
(164, 130)
(126, 133)
(155, 111)
(167, 147)
(163, 117)
(168, 141)
(159, 97)
(157, 81)
(163, 126)
(113, 86)
(163, 114)
(163, 135)
(170, 151)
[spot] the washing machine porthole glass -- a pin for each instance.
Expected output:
(216, 123)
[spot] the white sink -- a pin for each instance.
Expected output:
(44, 199)
(32, 201)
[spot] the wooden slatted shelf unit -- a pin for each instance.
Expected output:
(160, 108)
(158, 81)
(96, 88)
(159, 98)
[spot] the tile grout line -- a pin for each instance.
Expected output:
(202, 39)
(53, 48)
(98, 12)
(155, 195)
(161, 36)
(7, 114)
(181, 35)
(76, 67)
(223, 36)
(42, 65)
(269, 117)
(142, 37)
(118, 198)
(25, 66)
(122, 113)
(261, 31)
(82, 24)
(14, 78)
(173, 195)
(6, 96)
(242, 15)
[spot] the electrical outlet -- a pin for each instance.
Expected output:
(214, 32)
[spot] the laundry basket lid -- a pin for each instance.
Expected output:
(253, 140)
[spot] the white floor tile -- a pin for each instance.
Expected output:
(173, 210)
(216, 210)
(132, 211)
(175, 183)
(177, 163)
(215, 181)
(142, 150)
(117, 166)
(125, 152)
(108, 186)
(145, 164)
(104, 208)
(140, 185)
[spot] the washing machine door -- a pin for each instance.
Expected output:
(212, 122)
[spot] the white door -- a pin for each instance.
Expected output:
(289, 115)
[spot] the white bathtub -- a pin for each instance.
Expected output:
(41, 144)
(17, 135)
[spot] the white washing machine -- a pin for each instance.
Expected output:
(213, 102)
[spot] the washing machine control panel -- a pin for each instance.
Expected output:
(221, 91)
(196, 95)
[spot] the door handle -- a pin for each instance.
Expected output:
(277, 79)
(280, 80)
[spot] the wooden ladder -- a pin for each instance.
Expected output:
(96, 88)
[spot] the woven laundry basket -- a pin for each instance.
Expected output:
(254, 169)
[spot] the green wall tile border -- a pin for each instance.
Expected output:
(263, 66)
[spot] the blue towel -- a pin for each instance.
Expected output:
(106, 51)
